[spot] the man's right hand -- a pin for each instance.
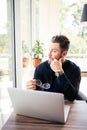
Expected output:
(56, 66)
(31, 84)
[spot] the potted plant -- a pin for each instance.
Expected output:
(37, 53)
(25, 50)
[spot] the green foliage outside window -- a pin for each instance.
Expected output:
(3, 44)
(71, 26)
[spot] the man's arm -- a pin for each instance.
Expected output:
(70, 85)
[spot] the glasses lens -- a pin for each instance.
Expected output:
(38, 82)
(46, 85)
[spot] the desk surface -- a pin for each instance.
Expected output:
(77, 120)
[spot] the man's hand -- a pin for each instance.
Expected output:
(56, 66)
(31, 84)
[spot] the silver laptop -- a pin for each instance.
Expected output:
(43, 105)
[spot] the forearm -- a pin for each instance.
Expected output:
(69, 89)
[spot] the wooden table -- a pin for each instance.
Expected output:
(77, 120)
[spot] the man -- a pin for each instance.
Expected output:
(63, 75)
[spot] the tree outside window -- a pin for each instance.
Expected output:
(71, 26)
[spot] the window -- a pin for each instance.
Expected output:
(71, 26)
(6, 43)
(7, 75)
(26, 24)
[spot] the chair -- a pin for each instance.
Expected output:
(81, 96)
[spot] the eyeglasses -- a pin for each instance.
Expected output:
(45, 85)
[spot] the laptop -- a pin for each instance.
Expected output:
(39, 104)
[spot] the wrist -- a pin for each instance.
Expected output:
(61, 72)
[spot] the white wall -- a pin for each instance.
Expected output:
(48, 19)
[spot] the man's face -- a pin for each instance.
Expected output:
(55, 52)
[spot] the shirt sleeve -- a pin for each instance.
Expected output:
(37, 75)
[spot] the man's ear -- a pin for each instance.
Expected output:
(64, 53)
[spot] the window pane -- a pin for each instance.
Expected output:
(26, 37)
(71, 26)
(29, 33)
(6, 71)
